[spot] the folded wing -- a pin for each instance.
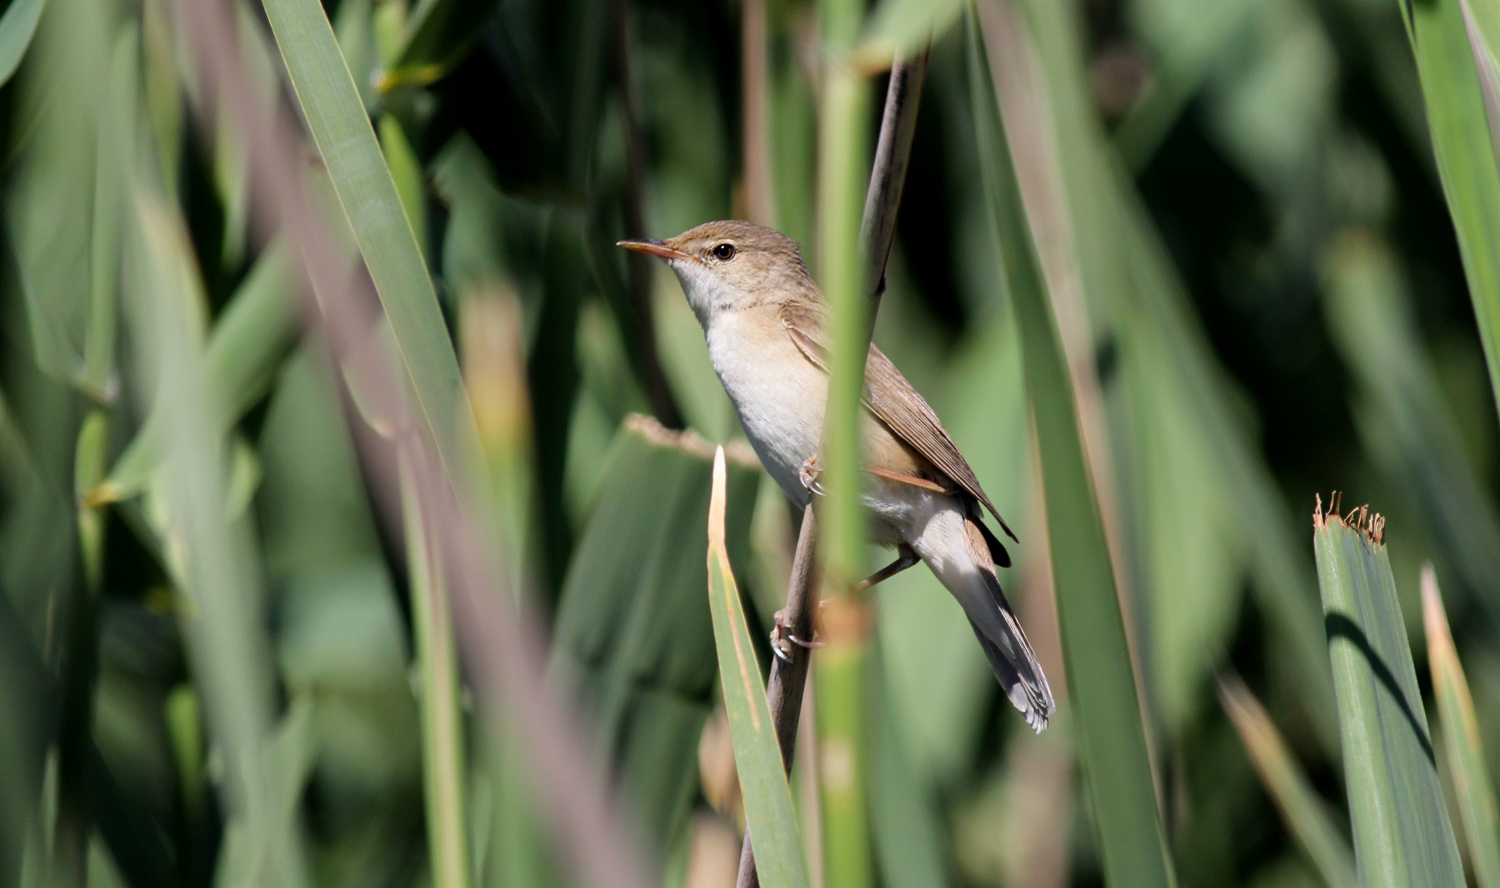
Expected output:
(892, 400)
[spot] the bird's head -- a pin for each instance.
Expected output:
(727, 266)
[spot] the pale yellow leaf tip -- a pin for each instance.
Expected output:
(716, 503)
(1438, 636)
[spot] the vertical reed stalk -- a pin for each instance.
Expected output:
(760, 196)
(883, 197)
(443, 768)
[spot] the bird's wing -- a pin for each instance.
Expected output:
(891, 399)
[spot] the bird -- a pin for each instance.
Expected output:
(765, 322)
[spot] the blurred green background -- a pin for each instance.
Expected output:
(1258, 288)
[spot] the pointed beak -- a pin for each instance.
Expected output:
(653, 248)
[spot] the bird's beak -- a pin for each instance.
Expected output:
(653, 248)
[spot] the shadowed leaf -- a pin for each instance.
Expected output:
(1401, 831)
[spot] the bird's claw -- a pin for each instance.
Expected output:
(782, 638)
(809, 473)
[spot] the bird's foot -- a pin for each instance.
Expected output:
(809, 473)
(782, 638)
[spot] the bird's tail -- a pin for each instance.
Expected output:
(955, 546)
(1015, 663)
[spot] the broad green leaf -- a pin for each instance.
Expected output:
(633, 626)
(1110, 730)
(1307, 816)
(1401, 831)
(345, 138)
(1192, 562)
(114, 158)
(17, 27)
(770, 819)
(48, 203)
(1461, 740)
(1459, 89)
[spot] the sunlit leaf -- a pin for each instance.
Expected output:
(1401, 831)
(633, 625)
(1111, 734)
(1459, 90)
(366, 191)
(770, 818)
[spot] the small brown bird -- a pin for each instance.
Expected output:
(765, 322)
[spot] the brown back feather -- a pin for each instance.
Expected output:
(892, 400)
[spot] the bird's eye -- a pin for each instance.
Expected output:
(723, 252)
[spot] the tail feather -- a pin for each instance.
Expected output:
(956, 546)
(1015, 664)
(1000, 633)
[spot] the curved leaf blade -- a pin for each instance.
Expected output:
(769, 815)
(1459, 91)
(1110, 729)
(633, 630)
(367, 193)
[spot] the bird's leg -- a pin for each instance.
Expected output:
(905, 558)
(809, 474)
(781, 636)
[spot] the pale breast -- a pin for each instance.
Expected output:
(778, 393)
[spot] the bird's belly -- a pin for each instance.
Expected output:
(779, 396)
(783, 422)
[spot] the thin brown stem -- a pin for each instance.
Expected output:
(877, 233)
(898, 122)
(760, 202)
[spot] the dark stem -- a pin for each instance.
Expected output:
(898, 122)
(639, 267)
(75, 742)
(877, 233)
